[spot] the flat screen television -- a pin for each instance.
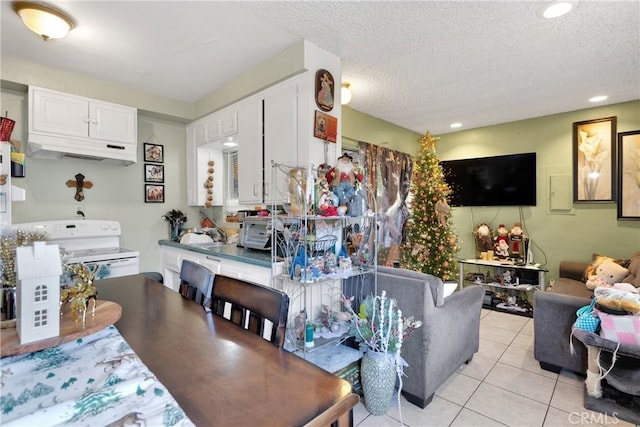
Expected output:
(492, 181)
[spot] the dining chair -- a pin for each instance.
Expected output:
(251, 306)
(196, 282)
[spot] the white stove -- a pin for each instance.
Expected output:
(91, 242)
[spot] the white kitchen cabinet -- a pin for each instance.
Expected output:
(250, 154)
(171, 261)
(267, 131)
(61, 114)
(199, 153)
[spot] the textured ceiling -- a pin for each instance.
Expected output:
(420, 65)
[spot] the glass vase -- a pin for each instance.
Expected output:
(378, 376)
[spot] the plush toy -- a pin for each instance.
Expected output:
(607, 273)
(501, 244)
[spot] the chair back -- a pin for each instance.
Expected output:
(250, 306)
(196, 282)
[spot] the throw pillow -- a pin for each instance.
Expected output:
(599, 259)
(634, 271)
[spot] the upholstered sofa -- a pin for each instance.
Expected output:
(555, 312)
(449, 336)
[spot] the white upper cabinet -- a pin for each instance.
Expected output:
(199, 154)
(63, 114)
(250, 155)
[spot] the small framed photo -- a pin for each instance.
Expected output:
(594, 160)
(153, 173)
(153, 153)
(153, 193)
(629, 175)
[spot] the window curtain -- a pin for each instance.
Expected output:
(388, 172)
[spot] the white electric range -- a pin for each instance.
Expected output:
(91, 242)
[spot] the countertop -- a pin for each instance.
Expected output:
(232, 252)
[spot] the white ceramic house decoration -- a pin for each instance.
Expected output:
(38, 270)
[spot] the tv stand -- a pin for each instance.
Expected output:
(495, 287)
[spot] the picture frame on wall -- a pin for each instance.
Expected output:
(325, 127)
(153, 173)
(629, 175)
(325, 87)
(153, 153)
(153, 193)
(594, 160)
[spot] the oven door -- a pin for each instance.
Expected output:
(115, 267)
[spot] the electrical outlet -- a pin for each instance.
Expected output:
(79, 211)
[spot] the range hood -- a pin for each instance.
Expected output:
(56, 147)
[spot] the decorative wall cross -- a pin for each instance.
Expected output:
(80, 184)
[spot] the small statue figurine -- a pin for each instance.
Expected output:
(501, 245)
(343, 178)
(443, 211)
(516, 236)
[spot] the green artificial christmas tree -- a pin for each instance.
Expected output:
(431, 245)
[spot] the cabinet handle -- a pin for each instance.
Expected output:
(255, 189)
(85, 119)
(210, 258)
(94, 122)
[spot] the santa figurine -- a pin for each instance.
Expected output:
(501, 244)
(516, 235)
(343, 178)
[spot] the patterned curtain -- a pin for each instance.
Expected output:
(388, 172)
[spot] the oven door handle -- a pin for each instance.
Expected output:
(119, 262)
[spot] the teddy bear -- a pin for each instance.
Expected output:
(607, 273)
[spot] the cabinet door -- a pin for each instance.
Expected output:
(250, 157)
(229, 123)
(111, 122)
(192, 171)
(58, 113)
(204, 154)
(280, 137)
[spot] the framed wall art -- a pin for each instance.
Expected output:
(153, 153)
(325, 127)
(153, 173)
(629, 175)
(594, 160)
(153, 193)
(324, 90)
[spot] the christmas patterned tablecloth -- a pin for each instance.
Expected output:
(95, 380)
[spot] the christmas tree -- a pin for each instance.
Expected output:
(431, 244)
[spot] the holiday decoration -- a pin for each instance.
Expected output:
(208, 184)
(431, 244)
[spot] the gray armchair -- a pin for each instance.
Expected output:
(449, 336)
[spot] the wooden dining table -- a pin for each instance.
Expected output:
(219, 373)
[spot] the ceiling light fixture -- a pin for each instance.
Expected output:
(455, 125)
(345, 94)
(43, 20)
(598, 98)
(556, 8)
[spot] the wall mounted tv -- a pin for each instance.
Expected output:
(492, 181)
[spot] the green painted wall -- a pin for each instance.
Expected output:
(571, 235)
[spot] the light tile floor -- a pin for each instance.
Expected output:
(502, 386)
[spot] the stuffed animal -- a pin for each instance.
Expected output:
(607, 273)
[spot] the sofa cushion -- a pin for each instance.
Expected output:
(599, 259)
(634, 271)
(571, 287)
(436, 285)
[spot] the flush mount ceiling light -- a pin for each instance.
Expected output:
(345, 94)
(455, 125)
(598, 98)
(43, 20)
(556, 8)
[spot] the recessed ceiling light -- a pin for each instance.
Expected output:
(556, 8)
(598, 98)
(455, 125)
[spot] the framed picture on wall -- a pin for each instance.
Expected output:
(594, 160)
(629, 175)
(153, 153)
(153, 173)
(153, 193)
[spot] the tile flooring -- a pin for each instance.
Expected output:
(502, 386)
